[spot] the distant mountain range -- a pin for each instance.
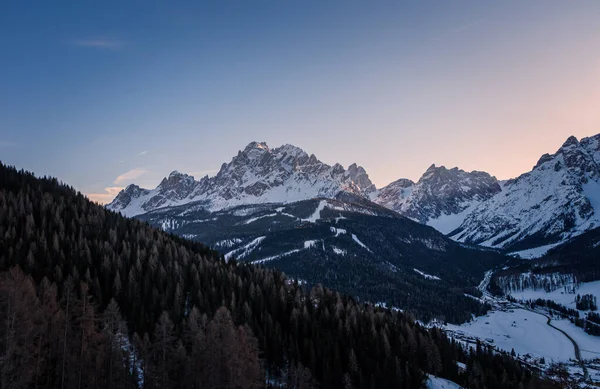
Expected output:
(557, 200)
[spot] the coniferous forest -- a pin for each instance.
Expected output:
(90, 299)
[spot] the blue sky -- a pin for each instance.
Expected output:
(102, 94)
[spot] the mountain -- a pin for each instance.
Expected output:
(558, 199)
(283, 208)
(359, 248)
(92, 299)
(528, 215)
(578, 256)
(441, 198)
(259, 174)
(255, 175)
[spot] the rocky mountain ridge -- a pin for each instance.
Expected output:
(558, 199)
(257, 174)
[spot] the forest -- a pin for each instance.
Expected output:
(90, 299)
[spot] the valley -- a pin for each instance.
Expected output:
(539, 337)
(333, 227)
(281, 210)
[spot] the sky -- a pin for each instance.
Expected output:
(104, 94)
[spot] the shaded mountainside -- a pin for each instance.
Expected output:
(194, 320)
(361, 249)
(557, 200)
(441, 198)
(580, 255)
(577, 260)
(257, 174)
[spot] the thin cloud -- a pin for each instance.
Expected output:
(143, 153)
(106, 197)
(106, 44)
(130, 175)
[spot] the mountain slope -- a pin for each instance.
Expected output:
(441, 198)
(558, 199)
(359, 248)
(579, 256)
(193, 316)
(257, 174)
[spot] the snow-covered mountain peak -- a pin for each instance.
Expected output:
(177, 181)
(290, 151)
(256, 146)
(441, 197)
(558, 199)
(571, 141)
(358, 175)
(131, 188)
(255, 150)
(577, 160)
(175, 173)
(257, 174)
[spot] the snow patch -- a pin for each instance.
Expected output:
(392, 267)
(337, 231)
(337, 219)
(245, 250)
(427, 276)
(536, 252)
(263, 260)
(434, 382)
(310, 244)
(252, 220)
(338, 251)
(446, 223)
(317, 214)
(361, 244)
(227, 243)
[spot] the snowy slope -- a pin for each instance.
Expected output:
(434, 382)
(442, 198)
(558, 199)
(256, 175)
(525, 331)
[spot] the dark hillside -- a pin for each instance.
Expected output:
(189, 319)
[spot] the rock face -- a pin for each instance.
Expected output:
(257, 174)
(441, 198)
(558, 199)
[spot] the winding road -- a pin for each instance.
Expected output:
(483, 286)
(575, 345)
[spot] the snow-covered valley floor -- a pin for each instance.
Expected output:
(559, 295)
(524, 331)
(513, 326)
